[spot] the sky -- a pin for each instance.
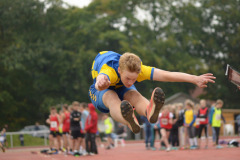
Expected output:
(78, 3)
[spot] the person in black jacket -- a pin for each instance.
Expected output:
(75, 128)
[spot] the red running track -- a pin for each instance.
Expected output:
(132, 151)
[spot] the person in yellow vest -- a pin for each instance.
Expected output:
(109, 126)
(215, 119)
(189, 120)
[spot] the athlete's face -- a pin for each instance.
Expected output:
(219, 105)
(53, 111)
(203, 103)
(128, 78)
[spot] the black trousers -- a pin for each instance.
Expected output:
(201, 127)
(217, 130)
(174, 137)
(90, 140)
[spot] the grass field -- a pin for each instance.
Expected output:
(29, 140)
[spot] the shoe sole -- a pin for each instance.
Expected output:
(158, 98)
(127, 113)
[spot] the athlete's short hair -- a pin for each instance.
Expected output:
(53, 108)
(131, 62)
(84, 105)
(65, 106)
(75, 103)
(189, 103)
(219, 101)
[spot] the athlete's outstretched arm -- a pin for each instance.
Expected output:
(166, 76)
(102, 82)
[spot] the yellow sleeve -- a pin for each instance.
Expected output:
(111, 73)
(146, 73)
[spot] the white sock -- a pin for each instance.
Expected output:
(191, 141)
(195, 141)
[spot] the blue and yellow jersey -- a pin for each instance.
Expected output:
(107, 62)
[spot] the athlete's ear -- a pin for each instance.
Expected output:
(119, 70)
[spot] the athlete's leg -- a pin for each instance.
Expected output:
(200, 134)
(143, 106)
(120, 111)
(112, 102)
(164, 138)
(137, 100)
(59, 143)
(51, 141)
(65, 141)
(206, 135)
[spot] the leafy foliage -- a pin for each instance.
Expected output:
(46, 50)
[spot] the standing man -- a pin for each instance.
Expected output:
(108, 130)
(148, 133)
(113, 89)
(238, 123)
(53, 121)
(2, 139)
(203, 117)
(215, 119)
(65, 121)
(84, 114)
(75, 128)
(91, 130)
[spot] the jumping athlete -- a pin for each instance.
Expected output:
(113, 89)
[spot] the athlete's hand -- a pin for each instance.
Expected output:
(202, 80)
(102, 82)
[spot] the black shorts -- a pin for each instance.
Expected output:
(55, 133)
(82, 135)
(65, 133)
(76, 134)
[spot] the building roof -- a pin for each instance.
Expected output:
(180, 98)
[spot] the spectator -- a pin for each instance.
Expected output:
(65, 121)
(120, 134)
(238, 123)
(189, 119)
(36, 128)
(3, 139)
(197, 123)
(21, 138)
(84, 114)
(148, 131)
(108, 130)
(203, 120)
(174, 130)
(180, 122)
(215, 119)
(75, 128)
(91, 130)
(156, 130)
(212, 128)
(166, 120)
(53, 120)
